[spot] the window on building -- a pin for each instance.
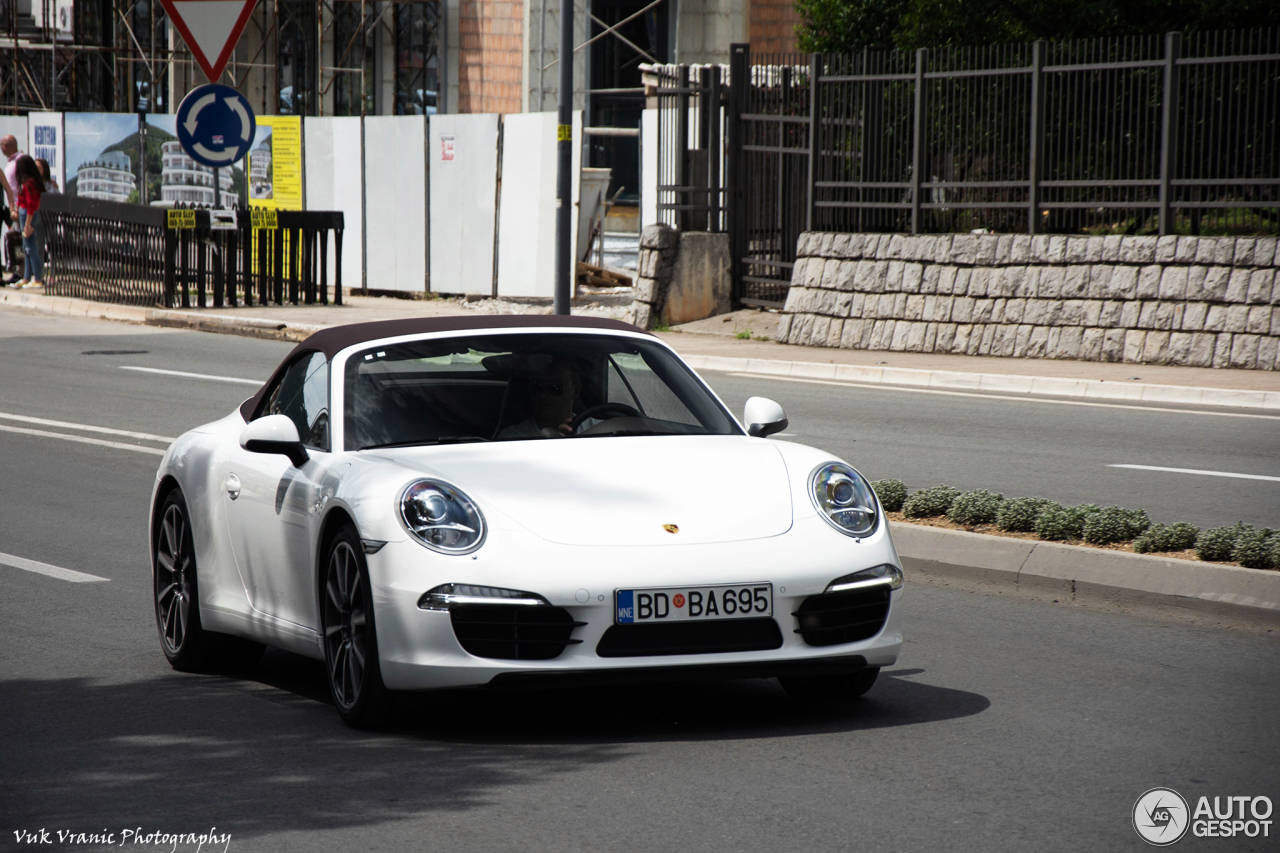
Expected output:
(417, 58)
(296, 57)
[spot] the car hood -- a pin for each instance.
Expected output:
(623, 490)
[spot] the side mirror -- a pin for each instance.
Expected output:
(274, 434)
(763, 417)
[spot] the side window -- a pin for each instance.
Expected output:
(303, 394)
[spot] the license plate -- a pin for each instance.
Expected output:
(693, 603)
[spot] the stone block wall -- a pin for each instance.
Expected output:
(659, 247)
(682, 277)
(1199, 301)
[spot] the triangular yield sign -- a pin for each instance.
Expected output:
(210, 28)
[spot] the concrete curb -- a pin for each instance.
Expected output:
(948, 380)
(252, 327)
(1053, 566)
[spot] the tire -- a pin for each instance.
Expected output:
(176, 595)
(826, 688)
(350, 634)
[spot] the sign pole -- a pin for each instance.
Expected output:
(217, 188)
(564, 163)
(142, 156)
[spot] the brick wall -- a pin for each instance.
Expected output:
(772, 26)
(491, 36)
(1206, 302)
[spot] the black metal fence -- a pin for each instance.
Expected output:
(1156, 134)
(691, 146)
(769, 132)
(139, 255)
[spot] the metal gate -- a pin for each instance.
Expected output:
(769, 145)
(691, 146)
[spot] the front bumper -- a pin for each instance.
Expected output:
(419, 650)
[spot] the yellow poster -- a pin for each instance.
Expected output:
(275, 164)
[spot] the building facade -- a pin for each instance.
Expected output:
(184, 181)
(372, 57)
(108, 178)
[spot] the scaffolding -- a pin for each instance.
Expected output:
(296, 57)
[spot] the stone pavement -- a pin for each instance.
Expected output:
(714, 344)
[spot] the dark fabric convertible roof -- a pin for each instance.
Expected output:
(331, 341)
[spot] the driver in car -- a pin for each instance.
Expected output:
(552, 391)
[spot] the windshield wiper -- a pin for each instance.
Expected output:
(444, 439)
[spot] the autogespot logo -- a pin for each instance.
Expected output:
(1160, 816)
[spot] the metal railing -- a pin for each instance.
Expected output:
(769, 131)
(1128, 135)
(691, 146)
(130, 254)
(1156, 134)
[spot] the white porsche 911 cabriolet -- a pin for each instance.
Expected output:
(454, 502)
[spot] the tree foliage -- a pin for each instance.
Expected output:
(842, 26)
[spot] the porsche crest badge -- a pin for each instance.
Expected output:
(671, 528)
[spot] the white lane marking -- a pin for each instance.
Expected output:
(146, 436)
(83, 439)
(185, 375)
(1198, 471)
(871, 387)
(46, 569)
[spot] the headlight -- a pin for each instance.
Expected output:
(844, 499)
(441, 517)
(887, 575)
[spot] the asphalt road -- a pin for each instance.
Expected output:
(1007, 725)
(1057, 449)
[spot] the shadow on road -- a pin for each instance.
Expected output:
(266, 751)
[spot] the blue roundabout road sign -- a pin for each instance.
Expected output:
(215, 125)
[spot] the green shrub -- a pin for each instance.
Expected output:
(1217, 543)
(1167, 537)
(1253, 548)
(1064, 522)
(891, 493)
(1275, 552)
(1018, 515)
(1113, 524)
(976, 507)
(930, 502)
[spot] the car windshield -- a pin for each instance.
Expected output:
(516, 387)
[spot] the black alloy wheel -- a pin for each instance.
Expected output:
(185, 642)
(350, 636)
(830, 688)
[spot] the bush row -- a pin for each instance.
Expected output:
(1254, 547)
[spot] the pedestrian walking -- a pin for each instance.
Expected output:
(9, 150)
(30, 190)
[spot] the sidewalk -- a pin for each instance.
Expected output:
(712, 345)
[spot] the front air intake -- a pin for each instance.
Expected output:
(843, 617)
(512, 631)
(690, 638)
